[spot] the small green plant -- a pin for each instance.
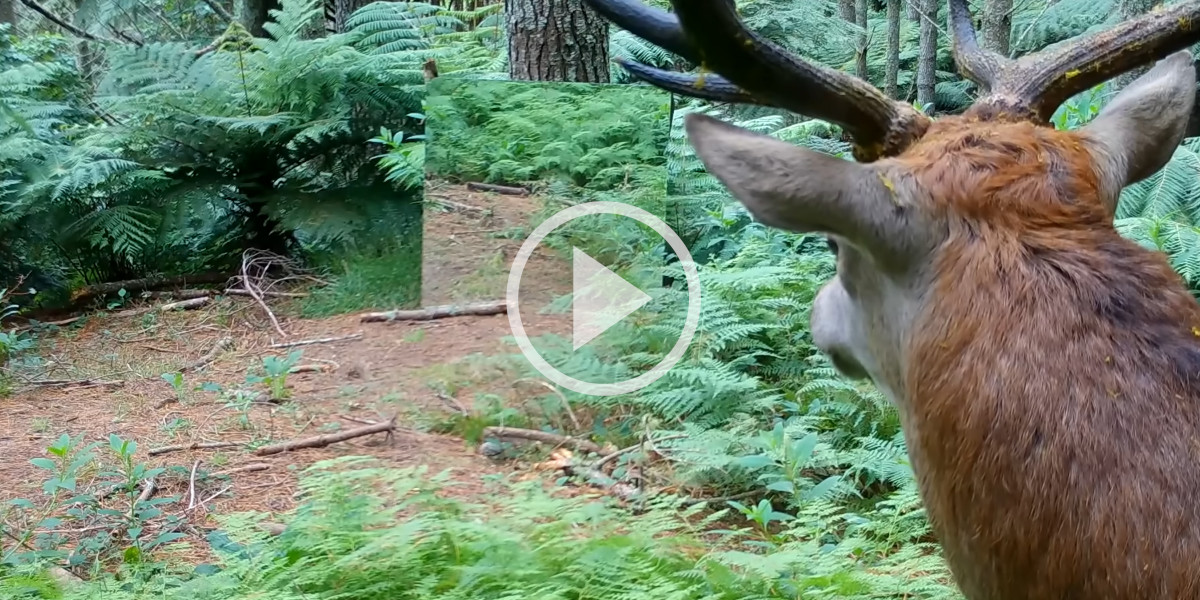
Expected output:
(276, 370)
(175, 379)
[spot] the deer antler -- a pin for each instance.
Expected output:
(1036, 84)
(753, 70)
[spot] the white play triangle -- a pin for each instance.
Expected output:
(600, 298)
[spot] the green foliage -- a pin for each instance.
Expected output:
(589, 136)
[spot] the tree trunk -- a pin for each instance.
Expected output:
(846, 10)
(556, 40)
(8, 14)
(1130, 9)
(891, 79)
(342, 9)
(997, 25)
(927, 60)
(254, 13)
(912, 8)
(860, 12)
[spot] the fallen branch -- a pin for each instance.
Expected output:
(60, 382)
(494, 307)
(186, 304)
(45, 12)
(147, 283)
(328, 340)
(321, 441)
(211, 355)
(459, 206)
(192, 486)
(309, 369)
(242, 292)
(247, 263)
(250, 468)
(59, 323)
(193, 446)
(499, 189)
(220, 10)
(181, 305)
(543, 436)
(148, 489)
(178, 295)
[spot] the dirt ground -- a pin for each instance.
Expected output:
(420, 371)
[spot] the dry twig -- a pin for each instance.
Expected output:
(499, 189)
(250, 468)
(328, 340)
(193, 446)
(494, 307)
(211, 355)
(321, 441)
(543, 436)
(252, 261)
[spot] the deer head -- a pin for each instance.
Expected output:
(1038, 359)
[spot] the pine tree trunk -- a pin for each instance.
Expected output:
(927, 60)
(846, 10)
(912, 9)
(556, 40)
(997, 25)
(860, 13)
(8, 14)
(891, 79)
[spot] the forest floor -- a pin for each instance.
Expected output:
(423, 372)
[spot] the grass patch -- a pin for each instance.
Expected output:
(387, 276)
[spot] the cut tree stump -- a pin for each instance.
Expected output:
(495, 307)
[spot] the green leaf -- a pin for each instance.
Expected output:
(44, 463)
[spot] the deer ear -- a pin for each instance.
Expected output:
(1137, 133)
(793, 188)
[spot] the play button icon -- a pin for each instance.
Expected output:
(600, 298)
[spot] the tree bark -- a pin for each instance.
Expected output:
(891, 85)
(254, 13)
(997, 25)
(927, 60)
(846, 10)
(860, 13)
(556, 40)
(8, 14)
(912, 9)
(1130, 9)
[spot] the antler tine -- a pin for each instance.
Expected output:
(708, 86)
(879, 125)
(1035, 85)
(977, 64)
(1052, 76)
(654, 25)
(754, 70)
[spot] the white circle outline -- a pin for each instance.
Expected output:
(512, 296)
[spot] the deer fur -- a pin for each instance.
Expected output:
(1046, 369)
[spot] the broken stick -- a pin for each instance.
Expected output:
(193, 446)
(323, 440)
(499, 189)
(211, 355)
(494, 307)
(328, 340)
(543, 436)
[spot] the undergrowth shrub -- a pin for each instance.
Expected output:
(590, 136)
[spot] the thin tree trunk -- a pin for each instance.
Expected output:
(927, 60)
(997, 25)
(891, 80)
(556, 40)
(860, 13)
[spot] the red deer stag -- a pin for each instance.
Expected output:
(1047, 370)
